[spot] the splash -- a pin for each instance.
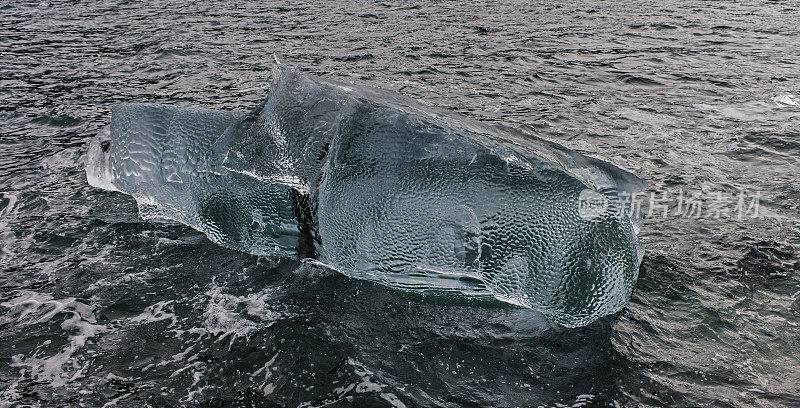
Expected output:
(79, 323)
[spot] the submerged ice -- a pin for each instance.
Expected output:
(380, 187)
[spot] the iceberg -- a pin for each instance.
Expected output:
(381, 187)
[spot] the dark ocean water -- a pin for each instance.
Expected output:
(700, 99)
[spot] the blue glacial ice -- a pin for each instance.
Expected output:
(380, 187)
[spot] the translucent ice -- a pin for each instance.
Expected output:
(787, 100)
(380, 187)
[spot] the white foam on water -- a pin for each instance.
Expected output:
(113, 402)
(267, 368)
(156, 313)
(312, 269)
(583, 400)
(231, 316)
(6, 235)
(367, 385)
(182, 356)
(32, 308)
(8, 208)
(754, 111)
(117, 280)
(193, 391)
(11, 394)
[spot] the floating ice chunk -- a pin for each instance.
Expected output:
(787, 100)
(381, 187)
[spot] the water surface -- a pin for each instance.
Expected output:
(99, 307)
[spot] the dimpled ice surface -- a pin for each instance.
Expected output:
(383, 188)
